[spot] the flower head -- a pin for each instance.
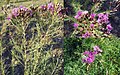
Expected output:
(23, 8)
(75, 25)
(109, 27)
(97, 49)
(92, 26)
(86, 35)
(88, 57)
(20, 11)
(50, 6)
(15, 12)
(100, 15)
(99, 21)
(103, 18)
(88, 60)
(92, 16)
(43, 7)
(78, 15)
(86, 53)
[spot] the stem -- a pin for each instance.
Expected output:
(55, 67)
(88, 68)
(1, 62)
(12, 66)
(24, 47)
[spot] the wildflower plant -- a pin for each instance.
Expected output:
(88, 50)
(91, 24)
(89, 21)
(35, 34)
(89, 56)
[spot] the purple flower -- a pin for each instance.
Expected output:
(89, 57)
(86, 53)
(86, 35)
(97, 49)
(60, 14)
(94, 0)
(99, 21)
(92, 26)
(31, 13)
(15, 12)
(88, 60)
(92, 16)
(9, 17)
(23, 8)
(43, 7)
(100, 15)
(89, 53)
(103, 18)
(75, 25)
(78, 15)
(109, 27)
(50, 6)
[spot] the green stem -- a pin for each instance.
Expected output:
(1, 62)
(24, 47)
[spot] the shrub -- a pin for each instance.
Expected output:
(33, 34)
(105, 63)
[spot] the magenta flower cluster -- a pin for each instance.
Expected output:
(90, 22)
(15, 12)
(76, 25)
(80, 14)
(23, 12)
(92, 16)
(86, 35)
(89, 56)
(20, 11)
(43, 7)
(102, 18)
(109, 27)
(52, 8)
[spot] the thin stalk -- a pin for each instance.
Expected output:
(24, 47)
(54, 70)
(1, 62)
(12, 65)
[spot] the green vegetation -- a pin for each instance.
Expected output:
(30, 40)
(105, 63)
